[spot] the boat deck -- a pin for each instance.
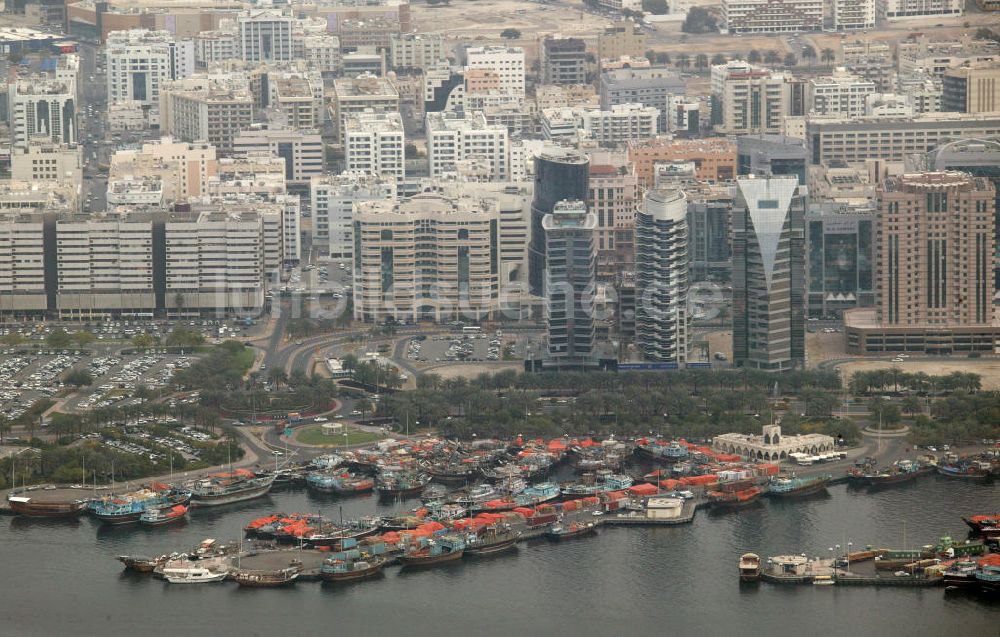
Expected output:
(311, 560)
(58, 495)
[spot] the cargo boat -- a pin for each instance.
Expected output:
(42, 504)
(228, 488)
(351, 530)
(141, 563)
(452, 473)
(734, 499)
(492, 540)
(970, 471)
(340, 569)
(899, 472)
(162, 517)
(657, 451)
(961, 574)
(433, 552)
(343, 483)
(129, 508)
(749, 567)
(396, 483)
(978, 522)
(793, 487)
(594, 483)
(478, 494)
(538, 493)
(265, 579)
(988, 574)
(559, 531)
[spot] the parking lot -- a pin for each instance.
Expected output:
(468, 347)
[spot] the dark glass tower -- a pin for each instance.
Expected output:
(560, 174)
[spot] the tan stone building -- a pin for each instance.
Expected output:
(714, 158)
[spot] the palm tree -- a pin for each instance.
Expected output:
(701, 61)
(683, 61)
(753, 57)
(827, 55)
(809, 53)
(772, 57)
(790, 59)
(718, 58)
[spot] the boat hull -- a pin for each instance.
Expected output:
(802, 491)
(750, 575)
(162, 522)
(395, 493)
(430, 560)
(212, 500)
(571, 535)
(48, 509)
(352, 576)
(491, 549)
(116, 520)
(250, 580)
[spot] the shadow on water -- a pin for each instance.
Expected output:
(21, 523)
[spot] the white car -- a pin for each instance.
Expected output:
(319, 419)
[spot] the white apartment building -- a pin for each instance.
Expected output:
(429, 257)
(302, 150)
(220, 45)
(842, 93)
(186, 166)
(374, 143)
(453, 138)
(41, 106)
(320, 51)
(333, 200)
(561, 123)
(752, 99)
(506, 62)
(415, 50)
(853, 15)
(365, 93)
(622, 123)
(207, 108)
(41, 160)
(908, 9)
(139, 62)
(265, 35)
(772, 16)
(22, 263)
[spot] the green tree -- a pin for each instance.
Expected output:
(911, 405)
(753, 57)
(59, 339)
(790, 59)
(772, 57)
(827, 55)
(185, 338)
(13, 339)
(78, 378)
(656, 7)
(277, 376)
(718, 58)
(83, 338)
(701, 61)
(663, 58)
(809, 53)
(698, 20)
(683, 61)
(510, 34)
(650, 55)
(144, 340)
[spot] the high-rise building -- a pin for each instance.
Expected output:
(564, 60)
(832, 139)
(968, 89)
(653, 87)
(772, 16)
(140, 62)
(427, 257)
(265, 36)
(416, 50)
(771, 155)
(613, 191)
(360, 94)
(506, 62)
(210, 108)
(374, 143)
(934, 267)
(570, 285)
(302, 150)
(841, 93)
(748, 99)
(977, 157)
(909, 9)
(661, 277)
(333, 201)
(840, 256)
(453, 138)
(560, 174)
(768, 274)
(41, 106)
(710, 214)
(853, 15)
(621, 123)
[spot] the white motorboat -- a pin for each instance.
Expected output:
(192, 575)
